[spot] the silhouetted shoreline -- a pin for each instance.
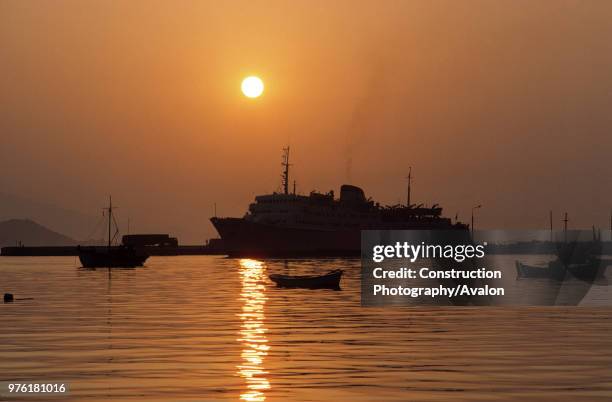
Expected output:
(52, 251)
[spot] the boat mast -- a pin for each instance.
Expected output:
(110, 217)
(285, 164)
(550, 215)
(409, 178)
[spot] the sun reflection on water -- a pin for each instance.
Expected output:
(253, 330)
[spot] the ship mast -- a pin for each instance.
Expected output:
(286, 165)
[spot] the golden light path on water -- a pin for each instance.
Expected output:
(253, 330)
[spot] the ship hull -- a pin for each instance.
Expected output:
(243, 238)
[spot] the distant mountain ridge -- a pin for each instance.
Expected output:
(14, 232)
(71, 223)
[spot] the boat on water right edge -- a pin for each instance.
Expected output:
(319, 224)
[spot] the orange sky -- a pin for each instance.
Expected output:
(503, 103)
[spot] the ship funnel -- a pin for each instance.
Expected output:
(351, 194)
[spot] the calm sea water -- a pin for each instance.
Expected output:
(205, 328)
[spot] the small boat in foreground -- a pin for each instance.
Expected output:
(331, 280)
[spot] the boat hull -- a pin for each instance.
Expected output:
(328, 281)
(587, 272)
(554, 270)
(113, 258)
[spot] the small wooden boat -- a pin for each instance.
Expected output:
(530, 271)
(331, 280)
(589, 271)
(554, 270)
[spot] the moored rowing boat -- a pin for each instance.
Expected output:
(331, 280)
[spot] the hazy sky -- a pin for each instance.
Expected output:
(504, 103)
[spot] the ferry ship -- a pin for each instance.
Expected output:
(319, 224)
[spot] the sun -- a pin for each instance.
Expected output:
(252, 87)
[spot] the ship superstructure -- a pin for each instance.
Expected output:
(284, 223)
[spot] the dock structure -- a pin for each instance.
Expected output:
(212, 247)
